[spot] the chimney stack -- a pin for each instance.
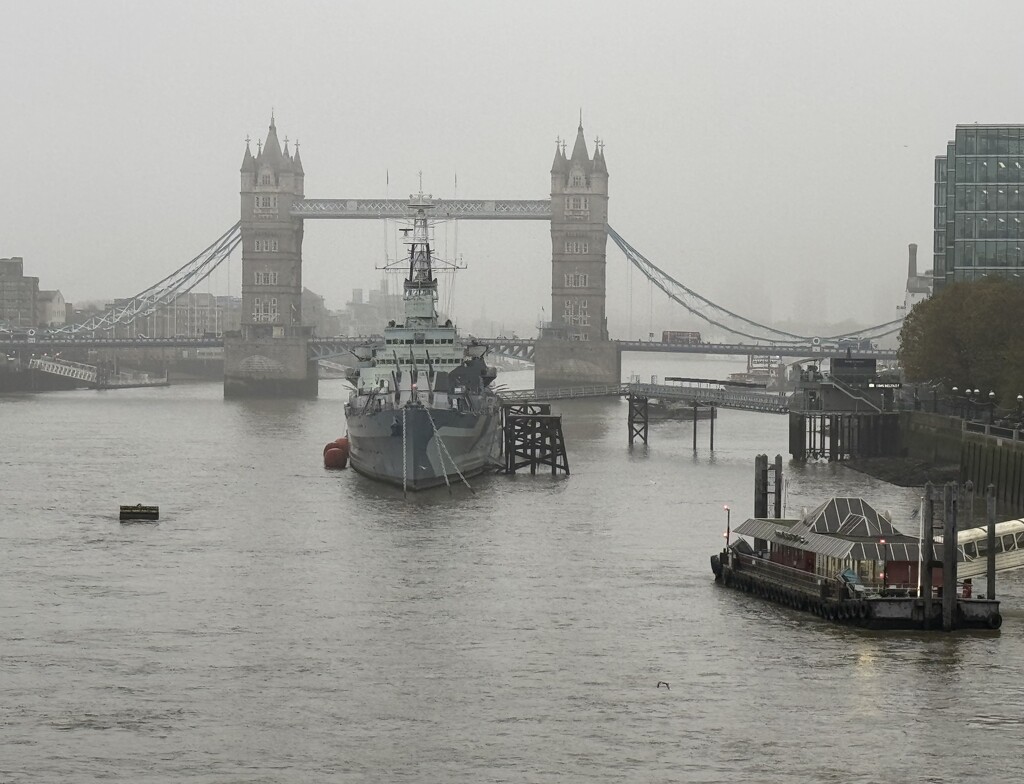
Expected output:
(912, 264)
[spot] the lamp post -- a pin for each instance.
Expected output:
(881, 541)
(955, 391)
(1020, 403)
(969, 488)
(975, 401)
(991, 406)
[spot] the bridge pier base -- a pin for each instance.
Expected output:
(269, 367)
(564, 363)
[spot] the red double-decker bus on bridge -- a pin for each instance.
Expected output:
(680, 338)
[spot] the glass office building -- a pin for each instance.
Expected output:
(979, 205)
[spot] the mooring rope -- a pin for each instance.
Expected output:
(441, 447)
(440, 455)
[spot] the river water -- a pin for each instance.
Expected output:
(283, 623)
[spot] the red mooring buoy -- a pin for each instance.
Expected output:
(336, 453)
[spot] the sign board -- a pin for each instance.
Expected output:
(857, 366)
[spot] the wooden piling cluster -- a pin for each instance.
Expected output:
(949, 497)
(533, 437)
(768, 484)
(837, 436)
(711, 441)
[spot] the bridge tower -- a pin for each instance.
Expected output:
(574, 348)
(268, 357)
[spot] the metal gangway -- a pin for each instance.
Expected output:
(63, 367)
(94, 376)
(719, 396)
(560, 393)
(702, 395)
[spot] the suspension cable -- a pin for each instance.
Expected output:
(673, 287)
(168, 289)
(670, 286)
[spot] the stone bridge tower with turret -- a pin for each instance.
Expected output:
(269, 357)
(574, 347)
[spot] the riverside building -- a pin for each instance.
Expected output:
(979, 205)
(19, 294)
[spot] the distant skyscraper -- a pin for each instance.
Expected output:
(979, 205)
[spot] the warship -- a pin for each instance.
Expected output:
(422, 413)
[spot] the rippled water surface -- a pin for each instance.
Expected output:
(283, 623)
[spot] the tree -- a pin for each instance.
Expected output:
(971, 336)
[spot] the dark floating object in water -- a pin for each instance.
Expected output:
(140, 512)
(665, 684)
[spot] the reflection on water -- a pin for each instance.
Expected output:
(283, 622)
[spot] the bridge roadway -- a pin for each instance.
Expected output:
(515, 348)
(704, 395)
(523, 348)
(325, 348)
(50, 342)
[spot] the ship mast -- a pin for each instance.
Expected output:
(420, 288)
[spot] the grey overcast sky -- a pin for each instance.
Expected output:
(757, 151)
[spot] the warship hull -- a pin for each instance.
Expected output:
(418, 447)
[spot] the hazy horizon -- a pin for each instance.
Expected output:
(773, 157)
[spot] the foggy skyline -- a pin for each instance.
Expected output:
(787, 147)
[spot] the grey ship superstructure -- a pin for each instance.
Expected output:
(422, 413)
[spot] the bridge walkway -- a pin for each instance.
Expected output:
(743, 400)
(720, 397)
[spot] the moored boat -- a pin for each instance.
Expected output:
(846, 562)
(422, 413)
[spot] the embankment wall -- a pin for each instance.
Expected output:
(988, 456)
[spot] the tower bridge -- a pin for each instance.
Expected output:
(271, 355)
(274, 353)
